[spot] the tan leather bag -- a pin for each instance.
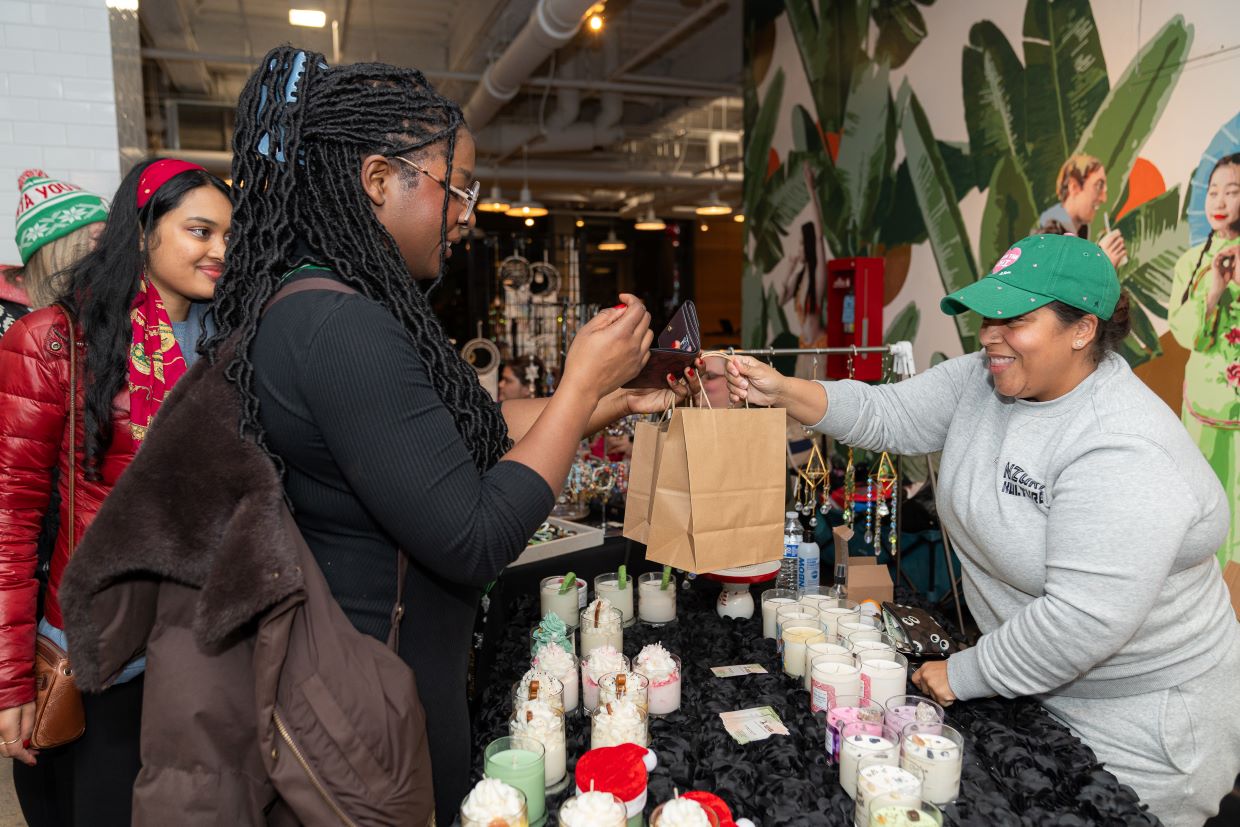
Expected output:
(58, 714)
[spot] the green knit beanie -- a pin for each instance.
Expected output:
(48, 209)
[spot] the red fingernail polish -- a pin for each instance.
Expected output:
(620, 307)
(671, 378)
(690, 371)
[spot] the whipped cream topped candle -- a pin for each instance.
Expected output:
(552, 631)
(537, 685)
(601, 625)
(682, 812)
(663, 670)
(602, 661)
(617, 722)
(593, 809)
(561, 665)
(545, 724)
(628, 686)
(492, 803)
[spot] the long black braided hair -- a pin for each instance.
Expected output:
(1227, 160)
(302, 131)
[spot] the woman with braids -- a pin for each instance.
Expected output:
(1204, 316)
(1115, 618)
(138, 301)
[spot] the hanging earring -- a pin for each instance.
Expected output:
(869, 511)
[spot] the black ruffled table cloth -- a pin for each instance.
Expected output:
(1021, 767)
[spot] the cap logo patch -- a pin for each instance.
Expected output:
(1009, 258)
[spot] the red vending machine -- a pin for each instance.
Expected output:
(855, 315)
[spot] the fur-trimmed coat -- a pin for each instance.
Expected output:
(196, 560)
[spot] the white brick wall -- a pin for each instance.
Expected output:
(57, 104)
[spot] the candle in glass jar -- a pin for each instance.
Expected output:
(519, 762)
(617, 722)
(833, 611)
(902, 810)
(662, 668)
(863, 739)
(795, 639)
(538, 720)
(593, 809)
(566, 605)
(773, 599)
(602, 661)
(938, 751)
(875, 780)
(493, 803)
(683, 812)
(847, 709)
(884, 674)
(601, 625)
(552, 631)
(628, 686)
(656, 605)
(795, 614)
(561, 665)
(833, 676)
(813, 650)
(608, 585)
(902, 710)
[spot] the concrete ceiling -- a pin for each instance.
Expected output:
(644, 113)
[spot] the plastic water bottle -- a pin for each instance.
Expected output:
(808, 576)
(787, 578)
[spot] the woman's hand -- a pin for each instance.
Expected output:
(16, 727)
(931, 678)
(1222, 270)
(658, 400)
(755, 382)
(610, 349)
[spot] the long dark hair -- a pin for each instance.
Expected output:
(1227, 160)
(302, 131)
(100, 289)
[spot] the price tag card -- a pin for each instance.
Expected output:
(737, 670)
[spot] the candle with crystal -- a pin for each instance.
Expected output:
(900, 810)
(601, 625)
(617, 722)
(519, 762)
(618, 593)
(833, 676)
(593, 809)
(773, 599)
(536, 685)
(884, 674)
(492, 803)
(663, 670)
(682, 812)
(552, 630)
(847, 709)
(903, 710)
(833, 611)
(656, 599)
(880, 779)
(795, 637)
(602, 661)
(938, 751)
(629, 686)
(566, 603)
(561, 665)
(545, 724)
(824, 647)
(863, 738)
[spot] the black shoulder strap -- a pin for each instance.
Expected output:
(402, 563)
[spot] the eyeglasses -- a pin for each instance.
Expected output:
(467, 197)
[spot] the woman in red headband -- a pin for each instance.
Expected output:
(138, 302)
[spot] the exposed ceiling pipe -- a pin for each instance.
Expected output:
(552, 24)
(669, 37)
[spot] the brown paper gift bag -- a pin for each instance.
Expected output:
(647, 444)
(719, 490)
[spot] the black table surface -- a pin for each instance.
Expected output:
(1021, 766)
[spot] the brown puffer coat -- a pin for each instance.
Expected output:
(195, 559)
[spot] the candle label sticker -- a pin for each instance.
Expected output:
(822, 697)
(737, 670)
(865, 685)
(756, 724)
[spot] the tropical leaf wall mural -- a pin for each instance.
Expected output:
(858, 152)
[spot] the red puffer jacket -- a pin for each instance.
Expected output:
(34, 415)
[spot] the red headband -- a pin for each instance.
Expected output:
(158, 174)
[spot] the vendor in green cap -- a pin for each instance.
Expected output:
(1085, 518)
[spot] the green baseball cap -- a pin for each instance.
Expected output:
(1036, 271)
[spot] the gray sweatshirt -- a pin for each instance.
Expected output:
(1086, 526)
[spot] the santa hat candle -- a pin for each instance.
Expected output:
(621, 770)
(716, 805)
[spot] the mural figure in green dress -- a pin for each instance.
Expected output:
(1204, 316)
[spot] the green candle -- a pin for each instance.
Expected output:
(519, 762)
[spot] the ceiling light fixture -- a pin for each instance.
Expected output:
(713, 206)
(495, 202)
(526, 206)
(739, 218)
(529, 222)
(595, 23)
(311, 18)
(612, 244)
(650, 221)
